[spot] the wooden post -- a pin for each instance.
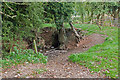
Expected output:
(35, 46)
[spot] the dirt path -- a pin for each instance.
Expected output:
(58, 65)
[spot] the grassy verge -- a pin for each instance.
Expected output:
(101, 57)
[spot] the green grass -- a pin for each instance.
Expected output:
(22, 56)
(101, 57)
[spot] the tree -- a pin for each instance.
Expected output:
(113, 10)
(80, 8)
(61, 12)
(19, 20)
(94, 12)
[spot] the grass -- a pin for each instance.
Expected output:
(22, 56)
(39, 71)
(101, 57)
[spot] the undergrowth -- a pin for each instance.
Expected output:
(23, 56)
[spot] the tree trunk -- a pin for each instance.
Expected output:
(118, 12)
(102, 19)
(82, 18)
(75, 32)
(61, 35)
(97, 22)
(118, 16)
(62, 38)
(91, 17)
(60, 31)
(114, 14)
(98, 16)
(115, 18)
(88, 16)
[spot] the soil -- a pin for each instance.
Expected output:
(50, 37)
(58, 65)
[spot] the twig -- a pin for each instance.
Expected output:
(8, 15)
(9, 7)
(21, 3)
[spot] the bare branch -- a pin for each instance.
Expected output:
(21, 3)
(75, 32)
(9, 7)
(7, 15)
(98, 25)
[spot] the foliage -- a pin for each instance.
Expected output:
(23, 20)
(60, 11)
(23, 56)
(101, 57)
(35, 15)
(90, 11)
(20, 21)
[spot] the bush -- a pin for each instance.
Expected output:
(28, 20)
